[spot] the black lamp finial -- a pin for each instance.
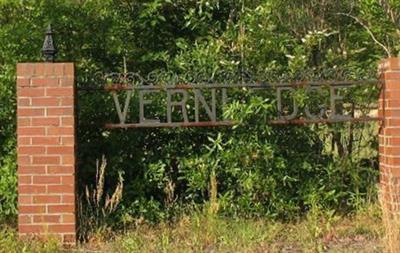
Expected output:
(49, 49)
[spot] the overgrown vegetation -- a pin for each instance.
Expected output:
(254, 170)
(320, 231)
(96, 207)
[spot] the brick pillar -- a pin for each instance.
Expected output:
(46, 151)
(389, 135)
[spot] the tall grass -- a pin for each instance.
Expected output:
(320, 231)
(202, 231)
(97, 206)
(10, 243)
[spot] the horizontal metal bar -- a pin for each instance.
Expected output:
(232, 123)
(172, 125)
(260, 85)
(324, 121)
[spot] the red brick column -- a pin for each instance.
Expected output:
(46, 151)
(389, 135)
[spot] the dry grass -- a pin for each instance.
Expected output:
(9, 243)
(96, 207)
(320, 231)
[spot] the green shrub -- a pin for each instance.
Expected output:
(252, 170)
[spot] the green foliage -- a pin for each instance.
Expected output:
(8, 186)
(260, 170)
(9, 243)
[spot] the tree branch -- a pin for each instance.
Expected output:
(368, 30)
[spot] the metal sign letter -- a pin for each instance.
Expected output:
(212, 113)
(122, 114)
(279, 99)
(334, 98)
(182, 104)
(142, 103)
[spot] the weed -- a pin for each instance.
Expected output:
(95, 211)
(204, 232)
(9, 243)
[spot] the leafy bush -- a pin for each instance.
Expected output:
(255, 169)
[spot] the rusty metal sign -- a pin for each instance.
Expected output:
(203, 104)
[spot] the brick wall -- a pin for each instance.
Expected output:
(389, 135)
(46, 150)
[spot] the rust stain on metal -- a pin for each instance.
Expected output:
(322, 121)
(173, 125)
